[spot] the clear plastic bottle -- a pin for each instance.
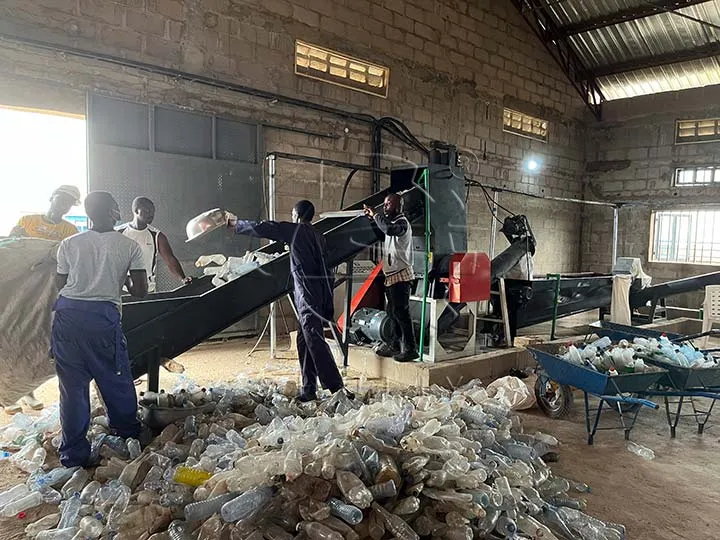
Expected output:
(246, 504)
(91, 527)
(42, 524)
(642, 451)
(531, 527)
(118, 508)
(14, 493)
(340, 526)
(13, 508)
(58, 534)
(311, 510)
(134, 448)
(50, 495)
(76, 483)
(348, 513)
(179, 530)
(353, 489)
(408, 505)
(395, 524)
(70, 514)
(55, 477)
(318, 531)
(384, 490)
(202, 510)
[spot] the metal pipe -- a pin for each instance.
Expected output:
(347, 313)
(327, 162)
(426, 185)
(543, 197)
(271, 217)
(493, 223)
(616, 219)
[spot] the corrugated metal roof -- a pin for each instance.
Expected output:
(658, 34)
(668, 78)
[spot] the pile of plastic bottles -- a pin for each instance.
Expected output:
(625, 357)
(448, 464)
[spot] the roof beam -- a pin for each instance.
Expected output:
(630, 14)
(705, 51)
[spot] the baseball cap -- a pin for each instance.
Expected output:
(70, 190)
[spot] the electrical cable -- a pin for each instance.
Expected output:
(344, 191)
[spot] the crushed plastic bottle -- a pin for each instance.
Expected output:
(13, 508)
(246, 504)
(640, 450)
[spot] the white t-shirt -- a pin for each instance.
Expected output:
(147, 239)
(97, 265)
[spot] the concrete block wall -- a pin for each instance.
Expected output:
(454, 65)
(632, 157)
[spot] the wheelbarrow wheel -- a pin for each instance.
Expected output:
(554, 400)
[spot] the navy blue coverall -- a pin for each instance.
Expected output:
(88, 343)
(313, 295)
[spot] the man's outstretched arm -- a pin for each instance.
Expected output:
(280, 231)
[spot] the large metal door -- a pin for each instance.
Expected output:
(186, 162)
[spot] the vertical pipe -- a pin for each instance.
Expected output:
(426, 186)
(493, 224)
(616, 219)
(556, 302)
(271, 216)
(347, 312)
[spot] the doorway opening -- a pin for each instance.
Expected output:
(40, 151)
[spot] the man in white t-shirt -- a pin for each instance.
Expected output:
(152, 242)
(87, 340)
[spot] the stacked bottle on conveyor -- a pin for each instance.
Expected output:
(433, 462)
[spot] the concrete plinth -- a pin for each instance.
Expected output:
(486, 366)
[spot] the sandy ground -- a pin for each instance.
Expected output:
(675, 496)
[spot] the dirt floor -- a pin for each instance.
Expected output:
(675, 496)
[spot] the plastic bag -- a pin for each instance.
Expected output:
(513, 392)
(27, 294)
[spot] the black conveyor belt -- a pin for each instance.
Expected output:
(166, 325)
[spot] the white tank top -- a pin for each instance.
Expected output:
(147, 240)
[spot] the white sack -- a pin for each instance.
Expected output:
(27, 293)
(620, 304)
(513, 392)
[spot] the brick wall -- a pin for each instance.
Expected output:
(633, 160)
(454, 65)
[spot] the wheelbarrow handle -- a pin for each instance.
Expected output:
(632, 400)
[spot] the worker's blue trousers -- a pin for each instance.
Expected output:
(87, 344)
(316, 359)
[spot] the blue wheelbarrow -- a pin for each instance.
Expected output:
(679, 385)
(559, 375)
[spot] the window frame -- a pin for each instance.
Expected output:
(697, 139)
(695, 169)
(524, 133)
(692, 237)
(343, 82)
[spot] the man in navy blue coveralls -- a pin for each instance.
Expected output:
(87, 340)
(313, 293)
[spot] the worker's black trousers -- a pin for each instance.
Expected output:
(398, 309)
(316, 359)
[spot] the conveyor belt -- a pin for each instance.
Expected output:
(166, 325)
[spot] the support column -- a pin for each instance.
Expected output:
(271, 216)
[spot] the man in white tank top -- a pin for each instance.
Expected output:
(152, 242)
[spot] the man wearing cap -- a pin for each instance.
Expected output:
(87, 340)
(51, 225)
(313, 293)
(48, 226)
